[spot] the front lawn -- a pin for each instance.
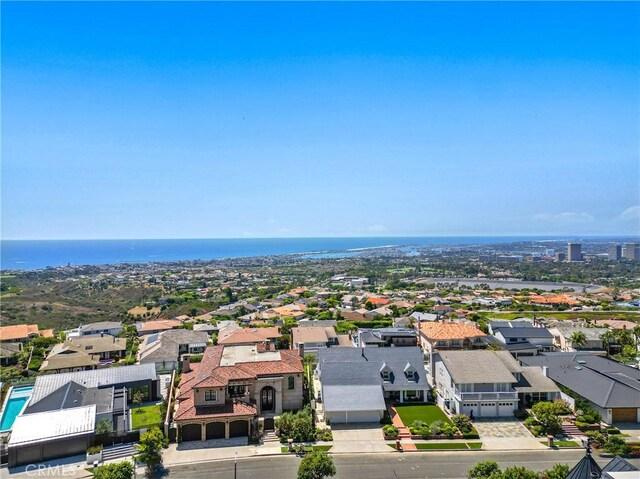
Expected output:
(428, 413)
(145, 417)
(307, 448)
(562, 443)
(445, 445)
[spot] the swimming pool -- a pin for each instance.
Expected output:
(14, 405)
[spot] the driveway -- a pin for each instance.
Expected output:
(506, 433)
(358, 438)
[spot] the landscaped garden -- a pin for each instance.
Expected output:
(428, 421)
(145, 417)
(298, 449)
(440, 446)
(427, 413)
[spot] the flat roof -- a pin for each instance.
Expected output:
(246, 354)
(51, 425)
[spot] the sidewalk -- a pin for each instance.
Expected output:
(172, 456)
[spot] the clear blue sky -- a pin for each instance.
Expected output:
(169, 120)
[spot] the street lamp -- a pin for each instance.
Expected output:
(235, 465)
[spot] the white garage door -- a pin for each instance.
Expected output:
(354, 416)
(505, 409)
(487, 409)
(466, 409)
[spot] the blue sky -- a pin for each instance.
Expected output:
(197, 120)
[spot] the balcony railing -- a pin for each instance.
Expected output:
(486, 396)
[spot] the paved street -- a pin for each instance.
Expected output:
(447, 465)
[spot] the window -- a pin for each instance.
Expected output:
(477, 340)
(210, 395)
(235, 391)
(385, 375)
(292, 382)
(410, 394)
(455, 342)
(410, 374)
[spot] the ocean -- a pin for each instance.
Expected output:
(35, 254)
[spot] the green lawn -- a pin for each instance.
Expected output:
(446, 445)
(428, 413)
(145, 416)
(563, 443)
(308, 448)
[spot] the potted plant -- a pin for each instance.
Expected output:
(94, 453)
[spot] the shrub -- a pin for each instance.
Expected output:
(297, 426)
(545, 415)
(558, 471)
(390, 431)
(324, 435)
(521, 414)
(597, 439)
(537, 431)
(94, 449)
(519, 472)
(617, 445)
(118, 470)
(613, 430)
(462, 422)
(483, 470)
(386, 418)
(561, 407)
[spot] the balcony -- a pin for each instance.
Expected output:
(486, 396)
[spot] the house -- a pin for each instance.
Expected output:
(21, 333)
(9, 353)
(307, 340)
(243, 336)
(84, 352)
(484, 383)
(439, 335)
(516, 323)
(357, 315)
(417, 316)
(562, 338)
(112, 328)
(385, 337)
(610, 387)
(355, 382)
(64, 409)
(165, 349)
(540, 338)
(234, 389)
(157, 326)
(205, 328)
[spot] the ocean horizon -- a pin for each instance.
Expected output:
(40, 254)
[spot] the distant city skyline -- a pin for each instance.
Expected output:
(257, 120)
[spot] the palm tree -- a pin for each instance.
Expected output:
(636, 334)
(607, 338)
(578, 339)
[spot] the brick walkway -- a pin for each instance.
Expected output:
(403, 431)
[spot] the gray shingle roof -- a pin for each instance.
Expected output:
(102, 325)
(479, 366)
(524, 332)
(353, 398)
(362, 366)
(600, 380)
(48, 383)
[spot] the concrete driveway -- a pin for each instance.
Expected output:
(363, 437)
(506, 433)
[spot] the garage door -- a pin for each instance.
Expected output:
(215, 430)
(191, 432)
(70, 447)
(505, 409)
(466, 409)
(627, 414)
(355, 416)
(238, 429)
(28, 455)
(487, 409)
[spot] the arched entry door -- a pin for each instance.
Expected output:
(267, 399)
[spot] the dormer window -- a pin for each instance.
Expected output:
(385, 375)
(409, 372)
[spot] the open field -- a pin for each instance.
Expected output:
(143, 310)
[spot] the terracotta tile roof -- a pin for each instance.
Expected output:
(378, 301)
(160, 325)
(20, 331)
(437, 331)
(188, 411)
(248, 335)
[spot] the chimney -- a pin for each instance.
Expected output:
(545, 371)
(186, 364)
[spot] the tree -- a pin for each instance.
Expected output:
(519, 472)
(104, 427)
(545, 414)
(558, 471)
(150, 449)
(578, 339)
(607, 338)
(118, 470)
(316, 465)
(636, 334)
(484, 470)
(138, 397)
(616, 445)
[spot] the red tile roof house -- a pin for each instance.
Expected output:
(236, 389)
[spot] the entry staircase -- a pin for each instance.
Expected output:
(119, 451)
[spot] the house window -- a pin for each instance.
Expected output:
(410, 374)
(410, 394)
(477, 340)
(292, 382)
(235, 391)
(210, 395)
(385, 375)
(455, 342)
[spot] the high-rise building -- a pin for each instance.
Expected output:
(561, 257)
(631, 251)
(615, 252)
(574, 251)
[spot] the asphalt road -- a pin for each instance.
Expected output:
(448, 465)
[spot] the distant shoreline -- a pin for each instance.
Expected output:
(29, 255)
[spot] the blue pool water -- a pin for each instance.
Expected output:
(16, 402)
